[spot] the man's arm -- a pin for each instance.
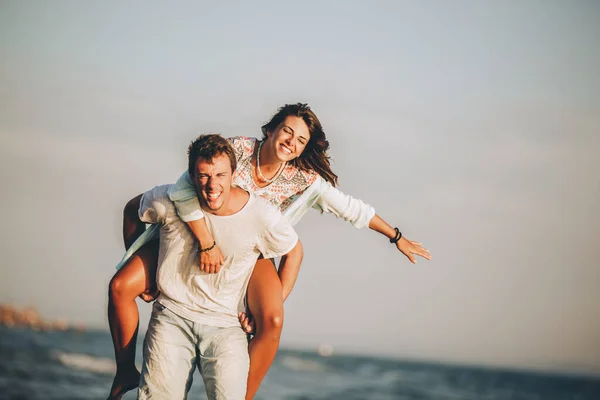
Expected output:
(280, 240)
(289, 266)
(276, 241)
(133, 227)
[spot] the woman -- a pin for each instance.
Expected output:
(291, 169)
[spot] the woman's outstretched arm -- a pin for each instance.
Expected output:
(361, 215)
(406, 247)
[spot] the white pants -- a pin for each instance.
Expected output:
(174, 346)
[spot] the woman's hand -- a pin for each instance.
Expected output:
(247, 323)
(408, 248)
(211, 260)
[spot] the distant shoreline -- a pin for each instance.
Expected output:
(29, 317)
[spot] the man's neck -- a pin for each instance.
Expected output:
(238, 198)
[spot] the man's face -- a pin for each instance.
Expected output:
(213, 183)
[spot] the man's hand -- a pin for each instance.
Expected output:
(408, 248)
(247, 322)
(149, 296)
(211, 260)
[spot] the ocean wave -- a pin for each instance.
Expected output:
(301, 364)
(86, 362)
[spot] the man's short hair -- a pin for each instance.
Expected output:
(208, 147)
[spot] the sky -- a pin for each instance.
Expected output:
(472, 126)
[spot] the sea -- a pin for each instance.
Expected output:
(79, 365)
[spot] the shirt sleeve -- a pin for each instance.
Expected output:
(355, 211)
(279, 239)
(183, 195)
(153, 205)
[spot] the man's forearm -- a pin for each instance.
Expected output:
(132, 226)
(289, 266)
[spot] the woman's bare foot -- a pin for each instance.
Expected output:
(125, 380)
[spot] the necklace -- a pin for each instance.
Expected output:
(260, 175)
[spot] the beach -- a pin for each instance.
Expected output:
(79, 365)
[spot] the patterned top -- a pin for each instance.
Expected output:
(283, 191)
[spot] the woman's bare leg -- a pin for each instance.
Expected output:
(136, 277)
(265, 302)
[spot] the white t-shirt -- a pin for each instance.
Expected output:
(213, 299)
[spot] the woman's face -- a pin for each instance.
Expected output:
(289, 139)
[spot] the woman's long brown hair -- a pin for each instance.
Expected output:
(314, 157)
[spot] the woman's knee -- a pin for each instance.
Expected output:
(275, 321)
(136, 277)
(121, 287)
(270, 323)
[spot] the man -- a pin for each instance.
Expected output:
(195, 319)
